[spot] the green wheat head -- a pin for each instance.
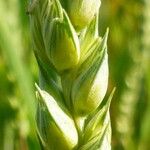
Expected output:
(73, 75)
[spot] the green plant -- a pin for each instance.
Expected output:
(73, 75)
(17, 104)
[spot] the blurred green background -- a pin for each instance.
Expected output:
(129, 61)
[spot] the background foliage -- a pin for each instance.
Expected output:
(129, 55)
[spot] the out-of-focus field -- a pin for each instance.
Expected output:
(129, 63)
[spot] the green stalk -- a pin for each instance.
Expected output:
(73, 66)
(145, 127)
